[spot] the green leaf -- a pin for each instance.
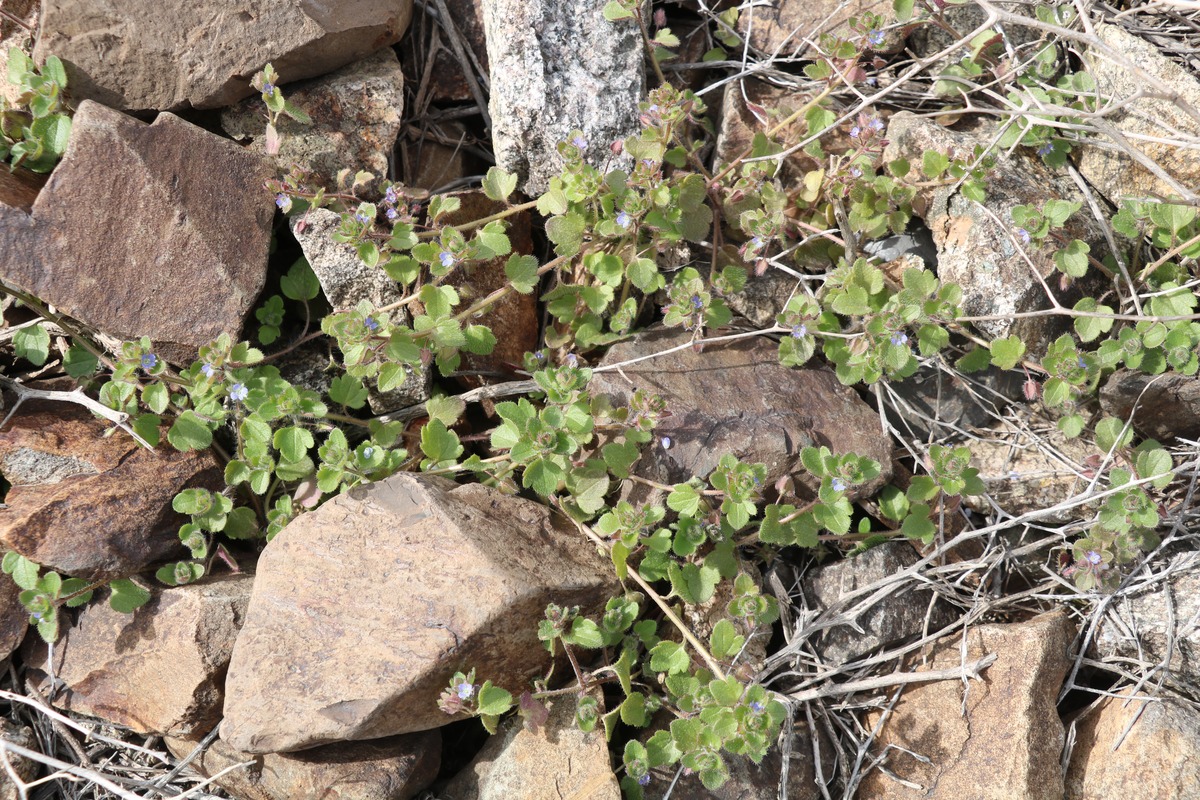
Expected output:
(669, 657)
(633, 710)
(893, 503)
(1071, 425)
(156, 396)
(438, 443)
(493, 700)
(693, 583)
(293, 442)
(684, 499)
(1113, 433)
(521, 272)
(127, 596)
(903, 9)
(725, 642)
(566, 231)
(79, 363)
(189, 432)
(933, 164)
(613, 11)
(498, 184)
(301, 282)
(918, 525)
(976, 360)
(446, 409)
(495, 239)
(24, 572)
(584, 633)
(32, 343)
(348, 391)
(543, 476)
(1072, 259)
(1007, 352)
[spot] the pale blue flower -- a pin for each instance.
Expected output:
(1045, 149)
(799, 331)
(447, 258)
(1023, 235)
(875, 38)
(838, 485)
(899, 338)
(149, 361)
(208, 369)
(238, 392)
(1092, 557)
(465, 690)
(624, 220)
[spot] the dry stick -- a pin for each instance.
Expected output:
(965, 671)
(472, 396)
(447, 23)
(76, 396)
(157, 784)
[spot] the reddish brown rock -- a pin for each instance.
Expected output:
(89, 505)
(788, 27)
(14, 619)
(1161, 406)
(396, 768)
(737, 398)
(19, 188)
(447, 81)
(364, 609)
(1002, 742)
(151, 54)
(145, 230)
(158, 670)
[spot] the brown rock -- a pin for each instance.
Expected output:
(365, 608)
(786, 27)
(396, 768)
(14, 619)
(1157, 749)
(432, 164)
(1133, 67)
(145, 230)
(146, 54)
(447, 82)
(26, 769)
(88, 505)
(19, 188)
(355, 114)
(556, 762)
(977, 245)
(737, 398)
(1162, 406)
(1006, 745)
(158, 670)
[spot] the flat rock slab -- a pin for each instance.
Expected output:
(355, 114)
(365, 608)
(158, 670)
(164, 54)
(1003, 742)
(396, 768)
(558, 66)
(93, 506)
(145, 230)
(1161, 406)
(737, 398)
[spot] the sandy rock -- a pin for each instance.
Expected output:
(183, 260)
(148, 54)
(14, 619)
(783, 27)
(19, 188)
(736, 398)
(833, 589)
(558, 761)
(363, 610)
(1162, 406)
(558, 67)
(1120, 74)
(158, 670)
(977, 245)
(14, 35)
(396, 768)
(1157, 742)
(26, 769)
(356, 115)
(67, 477)
(1008, 743)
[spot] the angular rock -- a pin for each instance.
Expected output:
(938, 400)
(1133, 67)
(364, 608)
(396, 768)
(926, 40)
(557, 67)
(833, 589)
(356, 115)
(146, 54)
(785, 28)
(1157, 741)
(26, 769)
(447, 82)
(19, 188)
(88, 505)
(558, 761)
(739, 123)
(432, 165)
(346, 281)
(158, 670)
(1158, 621)
(977, 245)
(1161, 406)
(14, 619)
(145, 230)
(737, 398)
(1007, 744)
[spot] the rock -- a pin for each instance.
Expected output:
(14, 619)
(736, 398)
(158, 670)
(88, 505)
(1158, 621)
(346, 281)
(365, 608)
(433, 164)
(26, 769)
(787, 27)
(739, 123)
(1026, 471)
(20, 36)
(1131, 68)
(146, 54)
(557, 67)
(927, 40)
(1003, 742)
(447, 82)
(948, 403)
(977, 245)
(182, 261)
(19, 188)
(396, 768)
(1162, 406)
(1157, 741)
(834, 589)
(356, 115)
(557, 761)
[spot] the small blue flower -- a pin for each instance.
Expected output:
(371, 323)
(368, 452)
(391, 214)
(666, 442)
(624, 220)
(268, 88)
(757, 707)
(899, 338)
(447, 258)
(875, 125)
(283, 201)
(1092, 557)
(1082, 363)
(465, 690)
(238, 392)
(838, 485)
(644, 780)
(363, 218)
(390, 195)
(697, 303)
(579, 141)
(648, 163)
(799, 331)
(875, 38)
(208, 369)
(1023, 235)
(37, 615)
(652, 108)
(149, 361)
(855, 132)
(572, 360)
(1045, 149)
(855, 172)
